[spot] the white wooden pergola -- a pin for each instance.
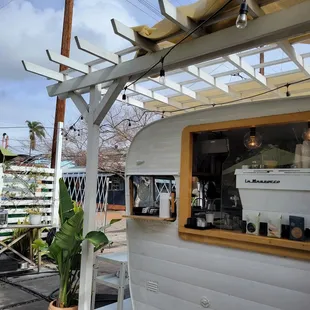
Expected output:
(263, 33)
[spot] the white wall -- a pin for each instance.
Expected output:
(186, 271)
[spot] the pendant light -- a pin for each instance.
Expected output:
(242, 19)
(162, 75)
(306, 134)
(252, 140)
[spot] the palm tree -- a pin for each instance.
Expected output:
(36, 130)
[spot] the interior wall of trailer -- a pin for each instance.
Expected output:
(167, 272)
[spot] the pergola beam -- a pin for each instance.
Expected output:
(129, 100)
(264, 30)
(251, 72)
(290, 51)
(47, 73)
(95, 51)
(108, 99)
(173, 14)
(68, 62)
(183, 90)
(133, 37)
(80, 103)
(155, 96)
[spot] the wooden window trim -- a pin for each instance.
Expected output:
(267, 245)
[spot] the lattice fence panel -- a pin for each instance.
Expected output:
(76, 187)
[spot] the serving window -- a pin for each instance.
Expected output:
(152, 197)
(246, 184)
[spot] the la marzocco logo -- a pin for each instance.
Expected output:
(262, 181)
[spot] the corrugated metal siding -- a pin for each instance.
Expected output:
(185, 271)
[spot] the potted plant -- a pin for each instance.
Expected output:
(35, 215)
(65, 249)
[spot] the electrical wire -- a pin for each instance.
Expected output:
(5, 5)
(20, 127)
(151, 7)
(141, 10)
(161, 60)
(244, 98)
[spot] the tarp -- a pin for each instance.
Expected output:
(201, 10)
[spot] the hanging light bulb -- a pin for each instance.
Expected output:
(306, 134)
(242, 19)
(162, 75)
(124, 97)
(288, 94)
(129, 124)
(252, 139)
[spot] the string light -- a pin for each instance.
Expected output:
(288, 94)
(124, 97)
(162, 71)
(129, 123)
(163, 114)
(162, 74)
(242, 19)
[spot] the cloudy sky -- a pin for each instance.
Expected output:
(28, 28)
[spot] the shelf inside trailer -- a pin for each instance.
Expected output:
(149, 218)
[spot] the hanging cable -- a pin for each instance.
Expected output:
(162, 59)
(244, 98)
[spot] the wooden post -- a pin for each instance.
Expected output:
(261, 61)
(65, 51)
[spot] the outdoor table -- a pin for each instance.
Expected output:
(8, 247)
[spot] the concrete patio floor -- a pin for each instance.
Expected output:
(31, 291)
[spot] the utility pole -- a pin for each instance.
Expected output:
(65, 51)
(261, 61)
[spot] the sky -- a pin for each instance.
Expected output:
(28, 28)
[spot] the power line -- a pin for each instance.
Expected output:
(141, 10)
(5, 5)
(151, 7)
(19, 127)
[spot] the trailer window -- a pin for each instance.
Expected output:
(152, 197)
(246, 184)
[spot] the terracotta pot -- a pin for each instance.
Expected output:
(52, 307)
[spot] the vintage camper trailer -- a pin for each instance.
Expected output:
(239, 236)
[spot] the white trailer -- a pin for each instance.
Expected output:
(171, 267)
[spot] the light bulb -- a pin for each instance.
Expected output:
(252, 140)
(242, 19)
(162, 77)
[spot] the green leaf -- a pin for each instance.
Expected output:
(97, 238)
(114, 221)
(40, 245)
(66, 237)
(65, 203)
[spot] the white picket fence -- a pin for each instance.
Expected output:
(23, 187)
